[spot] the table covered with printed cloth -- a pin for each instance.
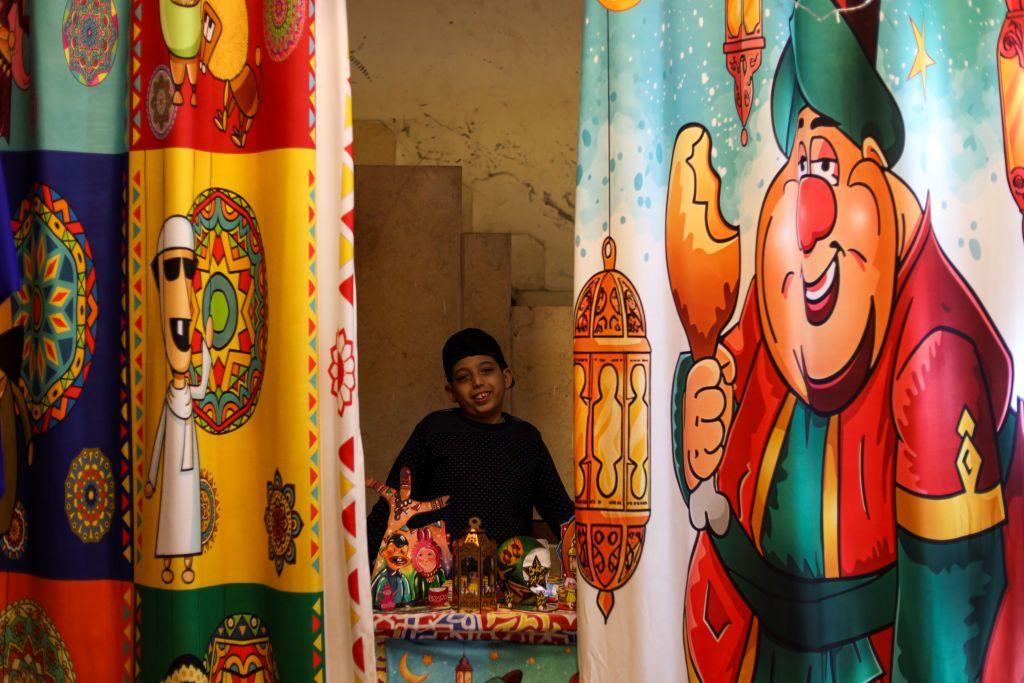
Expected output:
(502, 645)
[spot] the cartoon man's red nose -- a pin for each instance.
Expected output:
(815, 211)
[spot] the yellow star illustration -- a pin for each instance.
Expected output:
(922, 60)
(531, 661)
(427, 660)
(494, 654)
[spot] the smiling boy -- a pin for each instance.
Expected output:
(492, 465)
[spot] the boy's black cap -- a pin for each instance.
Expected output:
(470, 342)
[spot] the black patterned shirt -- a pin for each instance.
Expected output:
(498, 472)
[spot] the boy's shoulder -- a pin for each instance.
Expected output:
(439, 421)
(452, 420)
(522, 427)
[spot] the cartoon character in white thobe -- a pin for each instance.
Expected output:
(178, 530)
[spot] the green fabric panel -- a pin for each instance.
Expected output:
(853, 662)
(69, 116)
(791, 536)
(176, 622)
(946, 639)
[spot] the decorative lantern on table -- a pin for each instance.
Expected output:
(611, 429)
(744, 44)
(474, 583)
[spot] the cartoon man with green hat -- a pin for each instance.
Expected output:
(858, 412)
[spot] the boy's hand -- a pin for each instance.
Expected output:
(404, 508)
(707, 414)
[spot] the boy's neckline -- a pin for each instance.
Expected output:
(505, 420)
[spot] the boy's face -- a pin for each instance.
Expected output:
(478, 385)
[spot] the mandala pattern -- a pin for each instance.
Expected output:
(56, 305)
(31, 648)
(283, 22)
(14, 542)
(209, 509)
(231, 288)
(240, 650)
(90, 39)
(343, 371)
(160, 109)
(282, 521)
(89, 495)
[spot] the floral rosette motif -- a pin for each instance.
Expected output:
(89, 495)
(282, 521)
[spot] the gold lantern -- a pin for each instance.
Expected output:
(611, 431)
(744, 44)
(476, 565)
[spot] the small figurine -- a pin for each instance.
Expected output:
(570, 592)
(537, 580)
(567, 548)
(393, 558)
(390, 574)
(426, 560)
(437, 596)
(525, 565)
(387, 599)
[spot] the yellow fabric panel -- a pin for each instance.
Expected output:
(281, 433)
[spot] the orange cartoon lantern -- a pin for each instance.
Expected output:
(744, 43)
(611, 432)
(1010, 62)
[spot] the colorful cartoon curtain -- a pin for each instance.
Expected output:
(798, 238)
(184, 498)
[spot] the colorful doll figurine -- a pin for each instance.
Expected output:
(387, 599)
(391, 573)
(570, 592)
(426, 560)
(537, 579)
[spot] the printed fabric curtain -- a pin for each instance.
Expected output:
(182, 471)
(798, 247)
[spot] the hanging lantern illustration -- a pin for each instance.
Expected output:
(744, 43)
(611, 429)
(1010, 65)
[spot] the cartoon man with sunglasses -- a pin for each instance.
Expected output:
(178, 530)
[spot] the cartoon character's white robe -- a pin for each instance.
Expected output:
(178, 531)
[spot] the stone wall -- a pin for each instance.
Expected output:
(465, 144)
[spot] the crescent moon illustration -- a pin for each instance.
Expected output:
(406, 672)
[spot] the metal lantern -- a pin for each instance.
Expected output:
(744, 44)
(611, 431)
(476, 564)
